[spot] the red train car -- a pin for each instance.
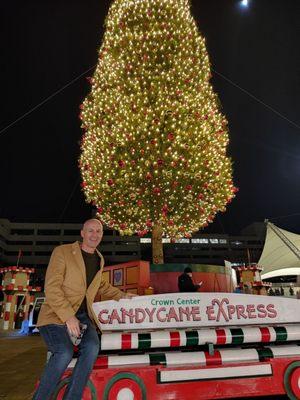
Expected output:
(195, 346)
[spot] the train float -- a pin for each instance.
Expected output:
(192, 346)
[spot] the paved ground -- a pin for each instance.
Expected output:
(21, 361)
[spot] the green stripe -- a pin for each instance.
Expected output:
(264, 353)
(219, 269)
(144, 341)
(281, 333)
(122, 376)
(158, 358)
(192, 338)
(237, 335)
(66, 381)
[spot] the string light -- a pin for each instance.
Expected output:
(154, 146)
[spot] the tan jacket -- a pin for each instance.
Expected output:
(65, 286)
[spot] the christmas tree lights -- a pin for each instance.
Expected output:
(154, 143)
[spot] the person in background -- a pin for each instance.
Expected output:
(73, 281)
(186, 283)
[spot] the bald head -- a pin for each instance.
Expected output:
(88, 221)
(91, 233)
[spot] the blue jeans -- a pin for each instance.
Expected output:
(59, 344)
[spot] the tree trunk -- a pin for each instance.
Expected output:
(157, 245)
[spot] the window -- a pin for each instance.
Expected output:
(183, 240)
(200, 240)
(145, 240)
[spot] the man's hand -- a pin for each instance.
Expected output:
(73, 326)
(200, 284)
(129, 295)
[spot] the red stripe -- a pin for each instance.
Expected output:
(174, 339)
(6, 315)
(9, 298)
(126, 341)
(265, 335)
(221, 336)
(214, 359)
(101, 362)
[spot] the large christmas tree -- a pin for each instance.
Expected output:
(154, 148)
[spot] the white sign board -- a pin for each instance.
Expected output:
(195, 310)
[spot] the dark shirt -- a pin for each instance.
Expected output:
(186, 284)
(92, 266)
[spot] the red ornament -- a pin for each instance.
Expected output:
(110, 182)
(139, 203)
(142, 233)
(149, 223)
(200, 196)
(235, 189)
(153, 141)
(100, 210)
(160, 162)
(123, 226)
(189, 187)
(170, 136)
(121, 163)
(83, 184)
(156, 190)
(148, 176)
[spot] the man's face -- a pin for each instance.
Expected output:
(190, 274)
(91, 234)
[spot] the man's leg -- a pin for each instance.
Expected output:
(61, 347)
(88, 350)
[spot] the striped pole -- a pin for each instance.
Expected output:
(7, 311)
(188, 338)
(196, 358)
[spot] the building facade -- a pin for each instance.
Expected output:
(33, 243)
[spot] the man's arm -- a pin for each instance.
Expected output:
(107, 290)
(55, 296)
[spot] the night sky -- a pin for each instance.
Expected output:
(45, 45)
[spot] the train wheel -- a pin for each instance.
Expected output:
(125, 386)
(292, 380)
(64, 382)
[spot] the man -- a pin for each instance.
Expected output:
(73, 280)
(185, 282)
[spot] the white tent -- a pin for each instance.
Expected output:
(281, 253)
